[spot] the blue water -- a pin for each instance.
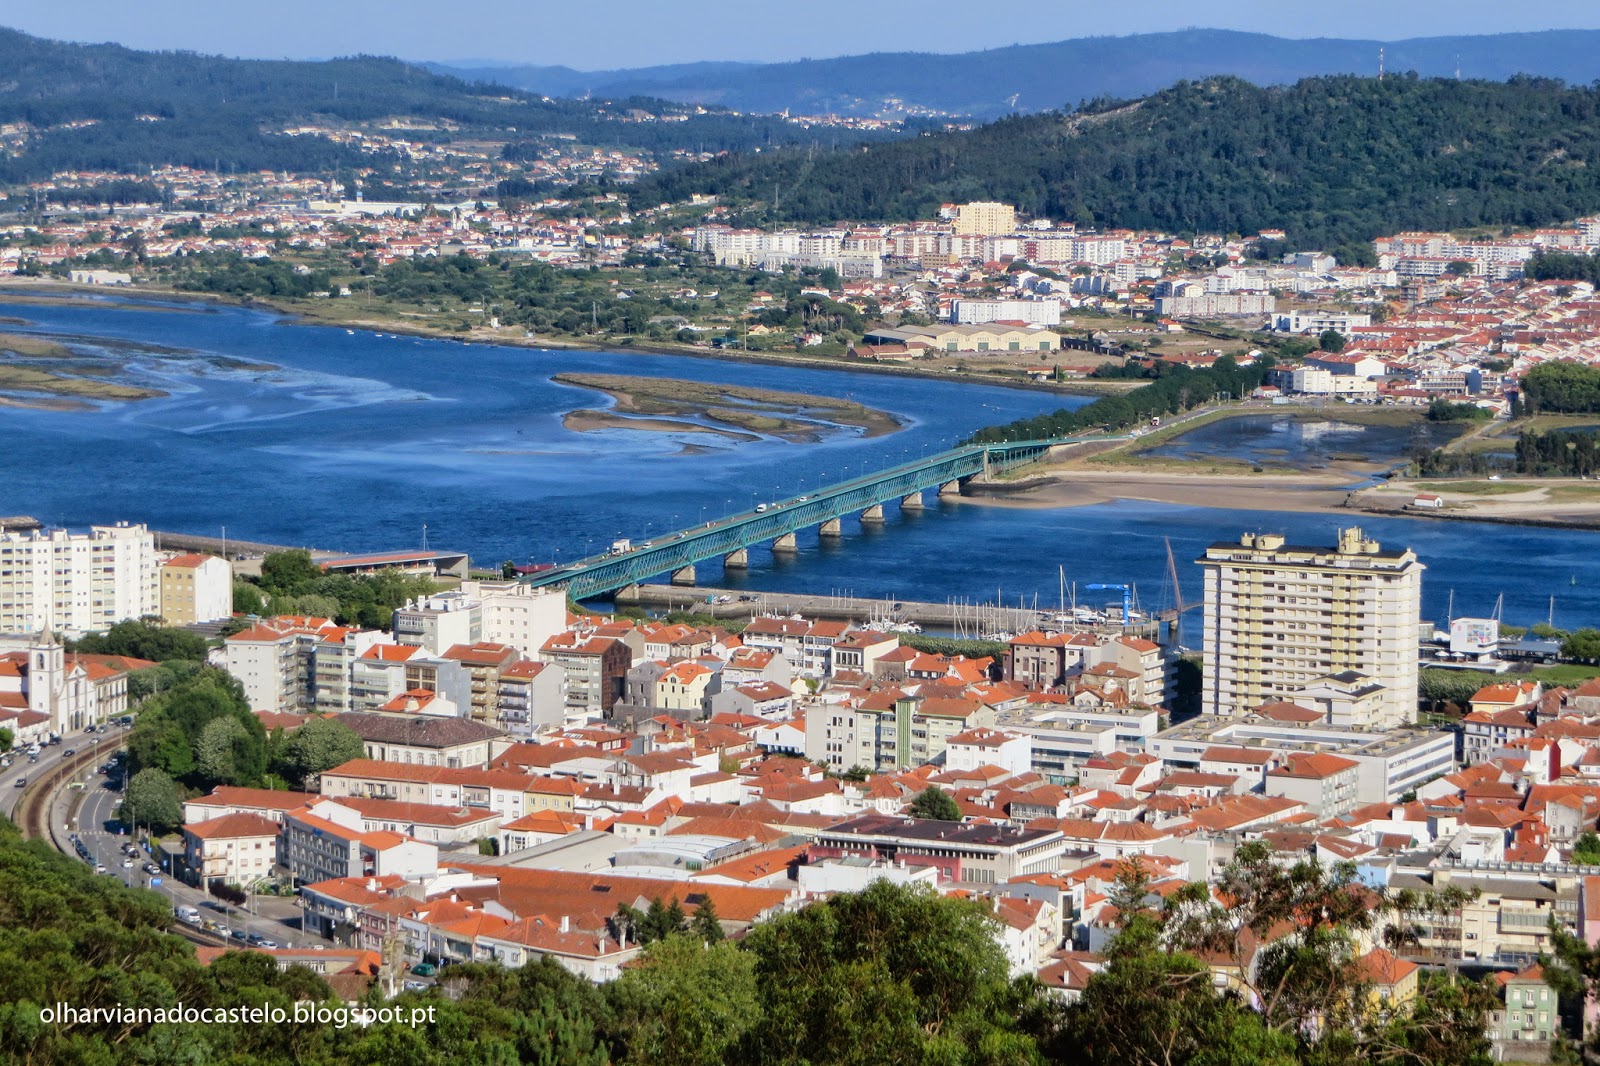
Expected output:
(1280, 440)
(361, 439)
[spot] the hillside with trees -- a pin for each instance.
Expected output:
(1034, 77)
(1333, 161)
(108, 108)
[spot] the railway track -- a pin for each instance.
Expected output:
(32, 813)
(32, 816)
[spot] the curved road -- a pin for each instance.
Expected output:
(88, 814)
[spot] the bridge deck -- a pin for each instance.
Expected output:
(671, 552)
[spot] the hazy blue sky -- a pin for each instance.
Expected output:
(603, 34)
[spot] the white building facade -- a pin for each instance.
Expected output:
(77, 583)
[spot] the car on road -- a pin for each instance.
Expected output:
(99, 867)
(69, 752)
(22, 782)
(424, 969)
(416, 986)
(239, 935)
(127, 864)
(151, 868)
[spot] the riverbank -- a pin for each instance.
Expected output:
(1569, 503)
(317, 313)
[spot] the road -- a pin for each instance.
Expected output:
(88, 814)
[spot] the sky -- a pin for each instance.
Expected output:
(611, 34)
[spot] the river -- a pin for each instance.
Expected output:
(360, 439)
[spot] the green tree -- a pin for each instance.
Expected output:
(1331, 340)
(170, 726)
(216, 750)
(1450, 686)
(684, 1003)
(318, 745)
(935, 803)
(152, 799)
(1586, 849)
(247, 599)
(705, 925)
(890, 974)
(662, 920)
(289, 573)
(1582, 645)
(7, 738)
(143, 639)
(1153, 1006)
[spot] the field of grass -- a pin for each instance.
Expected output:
(1568, 674)
(1474, 488)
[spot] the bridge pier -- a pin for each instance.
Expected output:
(950, 488)
(786, 543)
(912, 502)
(873, 514)
(831, 528)
(736, 560)
(684, 576)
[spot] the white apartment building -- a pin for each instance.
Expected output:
(981, 312)
(439, 622)
(518, 614)
(1314, 381)
(1218, 304)
(1389, 763)
(273, 661)
(1099, 250)
(889, 734)
(1281, 617)
(76, 583)
(1319, 321)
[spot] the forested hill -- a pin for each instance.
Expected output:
(1331, 160)
(105, 107)
(1035, 77)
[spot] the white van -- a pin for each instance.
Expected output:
(188, 914)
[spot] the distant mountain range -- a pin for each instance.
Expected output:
(106, 107)
(1040, 77)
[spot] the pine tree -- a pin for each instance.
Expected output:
(706, 926)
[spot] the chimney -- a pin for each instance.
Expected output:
(566, 924)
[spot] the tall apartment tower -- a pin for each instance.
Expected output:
(77, 583)
(1279, 617)
(985, 218)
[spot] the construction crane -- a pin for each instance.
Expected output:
(1127, 599)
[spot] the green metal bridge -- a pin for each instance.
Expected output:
(729, 539)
